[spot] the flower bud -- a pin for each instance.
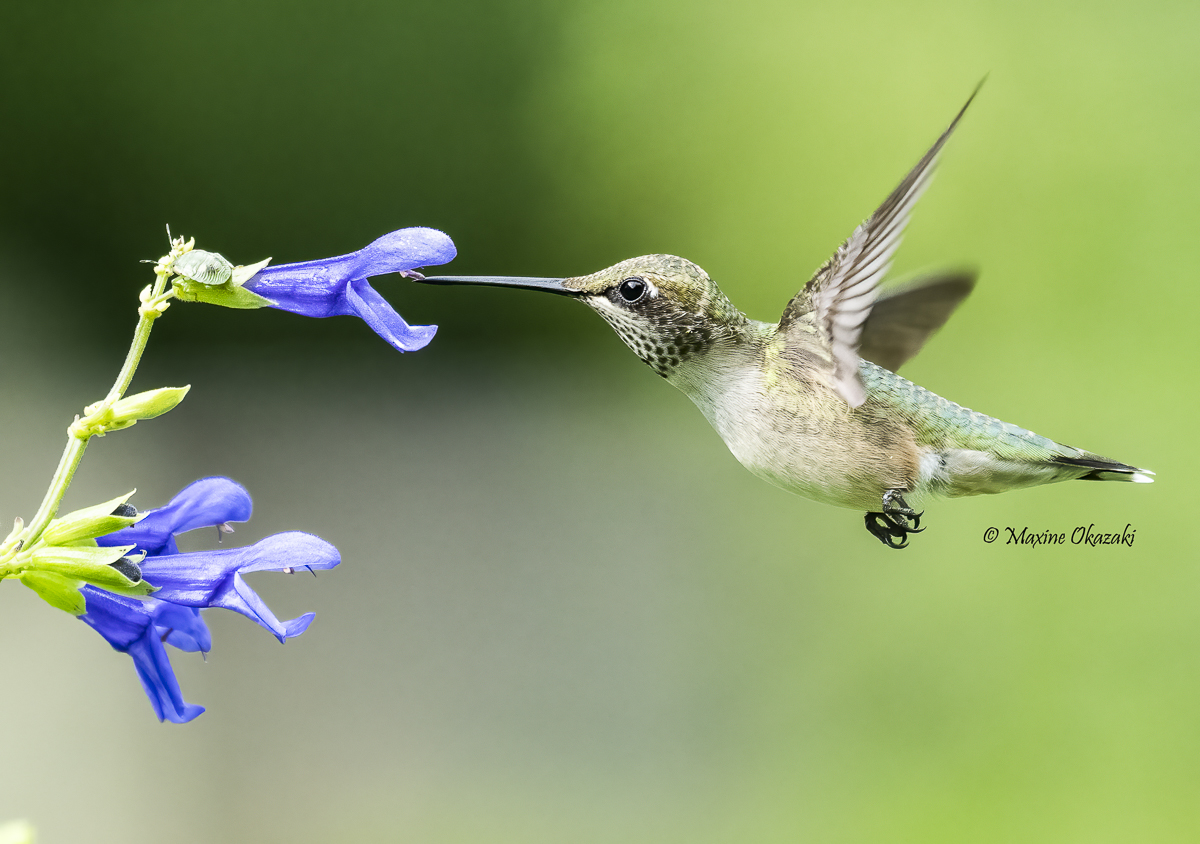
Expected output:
(243, 274)
(147, 405)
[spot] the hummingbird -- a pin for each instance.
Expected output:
(813, 404)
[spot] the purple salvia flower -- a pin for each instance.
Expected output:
(339, 286)
(190, 581)
(214, 578)
(207, 502)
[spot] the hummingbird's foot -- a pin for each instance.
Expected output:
(896, 522)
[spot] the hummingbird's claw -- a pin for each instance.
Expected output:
(896, 522)
(887, 531)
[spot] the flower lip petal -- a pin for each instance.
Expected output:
(191, 579)
(183, 627)
(240, 598)
(129, 625)
(159, 681)
(364, 301)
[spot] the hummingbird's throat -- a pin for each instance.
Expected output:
(662, 347)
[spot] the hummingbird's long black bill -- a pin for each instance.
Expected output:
(549, 285)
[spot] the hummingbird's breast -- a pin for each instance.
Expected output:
(785, 423)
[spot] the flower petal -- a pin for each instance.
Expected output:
(364, 301)
(158, 680)
(309, 289)
(336, 286)
(213, 578)
(129, 625)
(204, 503)
(405, 249)
(240, 598)
(295, 287)
(183, 628)
(292, 550)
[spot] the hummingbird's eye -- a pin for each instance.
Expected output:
(633, 289)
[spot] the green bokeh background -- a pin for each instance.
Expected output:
(565, 613)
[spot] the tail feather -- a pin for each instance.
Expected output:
(1107, 470)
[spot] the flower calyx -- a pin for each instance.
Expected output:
(90, 522)
(202, 276)
(58, 573)
(66, 557)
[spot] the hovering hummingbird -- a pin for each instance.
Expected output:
(813, 404)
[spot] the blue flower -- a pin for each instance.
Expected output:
(207, 502)
(214, 578)
(339, 286)
(131, 626)
(187, 582)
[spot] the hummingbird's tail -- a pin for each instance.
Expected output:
(1107, 470)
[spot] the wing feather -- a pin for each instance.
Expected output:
(841, 293)
(903, 318)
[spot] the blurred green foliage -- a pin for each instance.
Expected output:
(566, 613)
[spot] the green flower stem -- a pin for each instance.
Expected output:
(154, 302)
(67, 465)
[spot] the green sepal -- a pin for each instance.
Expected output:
(226, 295)
(56, 590)
(243, 274)
(97, 520)
(147, 405)
(89, 564)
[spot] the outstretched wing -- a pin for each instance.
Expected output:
(902, 319)
(842, 291)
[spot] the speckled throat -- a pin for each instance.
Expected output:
(663, 341)
(685, 316)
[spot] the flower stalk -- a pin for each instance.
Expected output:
(155, 300)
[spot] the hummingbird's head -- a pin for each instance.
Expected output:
(665, 308)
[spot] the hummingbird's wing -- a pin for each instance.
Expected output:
(841, 293)
(902, 319)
